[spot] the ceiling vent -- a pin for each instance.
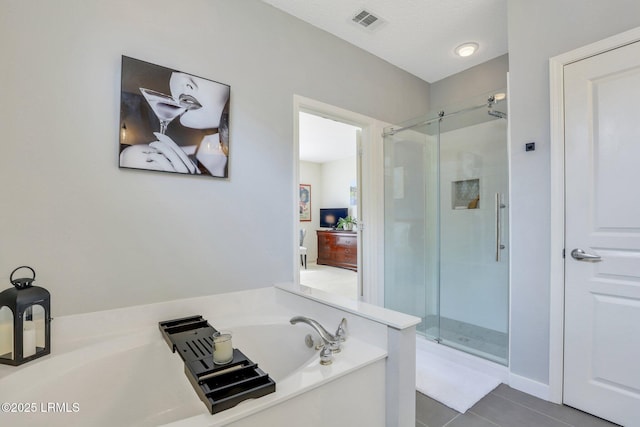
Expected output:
(366, 19)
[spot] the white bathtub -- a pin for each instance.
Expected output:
(135, 379)
(114, 368)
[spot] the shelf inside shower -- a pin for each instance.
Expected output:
(465, 194)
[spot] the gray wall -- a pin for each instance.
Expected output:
(100, 237)
(537, 31)
(457, 89)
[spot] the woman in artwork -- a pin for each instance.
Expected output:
(206, 104)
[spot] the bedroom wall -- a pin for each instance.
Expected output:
(330, 183)
(100, 237)
(311, 173)
(338, 177)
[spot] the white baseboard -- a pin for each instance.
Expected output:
(529, 386)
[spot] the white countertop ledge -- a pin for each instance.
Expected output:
(381, 315)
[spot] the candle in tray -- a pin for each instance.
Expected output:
(222, 348)
(28, 338)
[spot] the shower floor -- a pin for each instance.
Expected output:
(482, 342)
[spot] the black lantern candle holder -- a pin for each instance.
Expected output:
(25, 321)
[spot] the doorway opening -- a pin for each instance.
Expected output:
(369, 198)
(329, 178)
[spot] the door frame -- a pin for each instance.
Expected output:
(557, 157)
(370, 199)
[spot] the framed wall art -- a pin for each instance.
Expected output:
(305, 202)
(172, 121)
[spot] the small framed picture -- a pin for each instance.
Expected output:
(305, 202)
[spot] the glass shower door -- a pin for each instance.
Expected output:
(474, 298)
(446, 227)
(412, 257)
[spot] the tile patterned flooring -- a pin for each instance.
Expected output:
(504, 407)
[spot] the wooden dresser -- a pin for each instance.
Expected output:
(338, 248)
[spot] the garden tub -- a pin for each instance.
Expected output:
(133, 379)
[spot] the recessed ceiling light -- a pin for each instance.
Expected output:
(466, 49)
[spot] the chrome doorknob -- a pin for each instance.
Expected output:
(580, 255)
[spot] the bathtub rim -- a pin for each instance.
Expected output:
(310, 375)
(395, 339)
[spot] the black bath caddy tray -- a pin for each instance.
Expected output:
(220, 387)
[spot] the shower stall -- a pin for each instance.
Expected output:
(446, 225)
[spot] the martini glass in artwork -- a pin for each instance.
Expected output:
(164, 106)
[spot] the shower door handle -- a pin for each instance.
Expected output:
(499, 207)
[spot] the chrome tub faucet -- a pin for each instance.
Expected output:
(331, 342)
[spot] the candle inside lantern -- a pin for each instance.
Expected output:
(222, 348)
(40, 332)
(6, 340)
(28, 338)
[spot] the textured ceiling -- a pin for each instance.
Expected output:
(418, 36)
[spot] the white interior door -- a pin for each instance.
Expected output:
(602, 295)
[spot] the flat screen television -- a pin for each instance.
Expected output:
(329, 216)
